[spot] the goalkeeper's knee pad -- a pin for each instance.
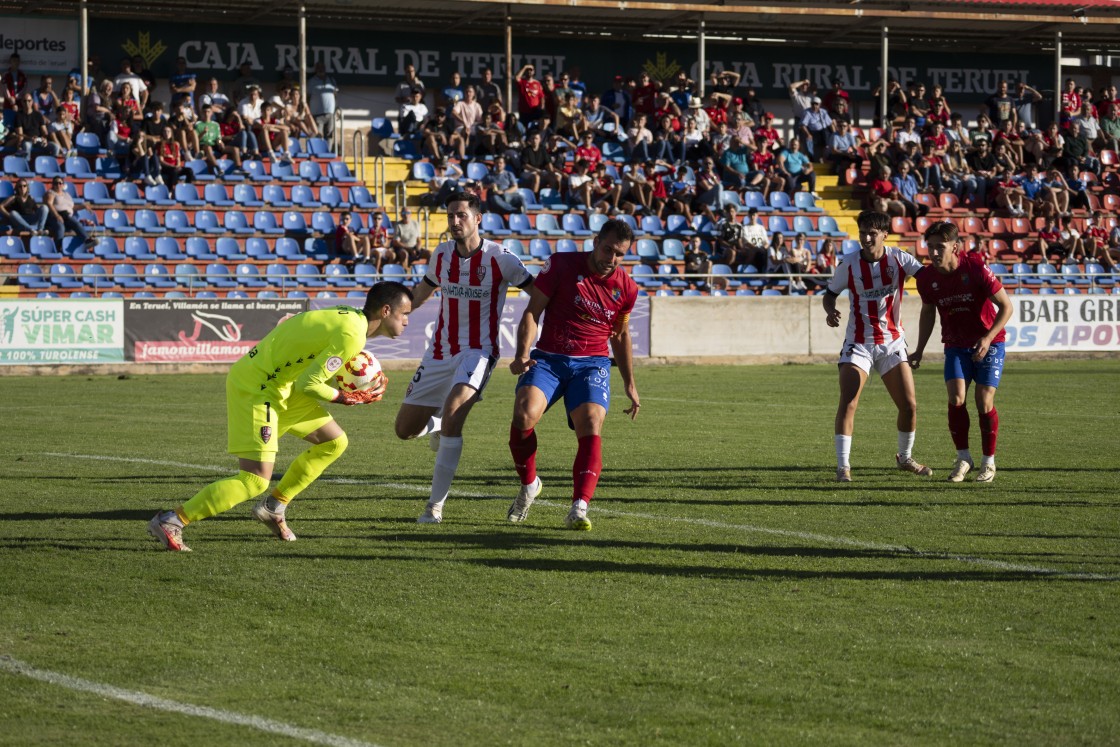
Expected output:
(254, 484)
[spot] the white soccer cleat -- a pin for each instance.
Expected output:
(960, 469)
(843, 474)
(169, 535)
(987, 473)
(274, 521)
(519, 509)
(577, 519)
(909, 465)
(432, 515)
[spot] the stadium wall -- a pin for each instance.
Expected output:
(61, 336)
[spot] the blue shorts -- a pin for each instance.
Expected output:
(959, 365)
(577, 380)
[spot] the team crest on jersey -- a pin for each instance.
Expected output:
(935, 286)
(546, 265)
(892, 271)
(266, 433)
(616, 294)
(334, 363)
(480, 273)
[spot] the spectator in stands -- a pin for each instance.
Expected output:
(182, 123)
(1039, 199)
(141, 71)
(487, 90)
(1078, 150)
(1001, 106)
(696, 260)
(1090, 125)
(501, 190)
(1071, 101)
(70, 99)
(236, 135)
(907, 188)
(23, 213)
(738, 170)
(406, 238)
(97, 110)
(413, 114)
(617, 100)
(666, 144)
(939, 110)
(982, 132)
(272, 133)
(597, 117)
(1009, 137)
(351, 246)
(919, 107)
(1096, 240)
(62, 218)
(606, 192)
(172, 167)
(708, 189)
(15, 84)
(755, 239)
(1073, 185)
(958, 132)
(730, 247)
(883, 196)
(958, 177)
(897, 105)
(800, 98)
(531, 108)
(210, 143)
(578, 185)
(825, 261)
(1024, 100)
(322, 91)
(843, 151)
(813, 128)
(490, 138)
(46, 100)
(213, 96)
(1059, 243)
(1110, 129)
(799, 259)
(681, 192)
(296, 114)
(569, 118)
(244, 82)
(381, 249)
(62, 132)
(537, 168)
(777, 256)
(466, 115)
(436, 136)
(450, 94)
(182, 84)
(136, 84)
(30, 135)
(639, 138)
(796, 169)
(1010, 196)
(406, 87)
(1005, 157)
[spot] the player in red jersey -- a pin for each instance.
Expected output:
(873, 277)
(974, 310)
(472, 275)
(588, 298)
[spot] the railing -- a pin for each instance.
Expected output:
(358, 145)
(338, 135)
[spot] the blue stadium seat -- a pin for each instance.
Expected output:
(229, 250)
(672, 249)
(539, 249)
(564, 246)
(322, 222)
(265, 222)
(546, 224)
(245, 195)
(317, 248)
(423, 171)
(147, 221)
(339, 277)
(804, 224)
(331, 197)
(126, 276)
(108, 249)
(648, 251)
(43, 248)
(158, 276)
(256, 171)
(515, 247)
(207, 222)
(30, 275)
(806, 203)
(218, 276)
(189, 277)
(64, 276)
(96, 276)
(678, 225)
(307, 275)
(176, 221)
(236, 222)
(519, 224)
(359, 197)
(88, 144)
(96, 193)
(309, 171)
(187, 194)
(532, 204)
(493, 224)
(198, 250)
(304, 197)
(17, 166)
(78, 168)
(294, 222)
(46, 166)
(258, 249)
(137, 248)
(288, 248)
(117, 222)
(826, 224)
(168, 249)
(573, 224)
(405, 149)
(127, 193)
(383, 128)
(275, 196)
(757, 201)
(158, 195)
(248, 276)
(339, 173)
(216, 195)
(779, 224)
(282, 171)
(11, 247)
(780, 201)
(320, 148)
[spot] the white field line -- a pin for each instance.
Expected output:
(17, 667)
(750, 528)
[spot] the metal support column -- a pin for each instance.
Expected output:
(884, 77)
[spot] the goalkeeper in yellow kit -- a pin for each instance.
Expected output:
(279, 387)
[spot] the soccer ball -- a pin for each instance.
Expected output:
(363, 371)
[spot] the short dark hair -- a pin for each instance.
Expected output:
(944, 230)
(873, 220)
(385, 293)
(616, 228)
(473, 203)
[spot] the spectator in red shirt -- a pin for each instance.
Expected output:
(645, 95)
(530, 100)
(1096, 242)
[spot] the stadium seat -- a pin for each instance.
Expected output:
(96, 276)
(187, 194)
(17, 166)
(382, 128)
(289, 249)
(757, 201)
(405, 149)
(282, 171)
(780, 201)
(219, 276)
(322, 222)
(365, 274)
(88, 144)
(46, 167)
(235, 221)
(648, 251)
(78, 168)
(678, 225)
(309, 171)
(11, 247)
(320, 148)
(520, 225)
(532, 205)
(725, 270)
(806, 203)
(30, 275)
(126, 276)
(275, 196)
(673, 249)
(158, 276)
(188, 276)
(645, 276)
(493, 225)
(539, 249)
(338, 277)
(147, 221)
(294, 222)
(128, 193)
(96, 193)
(248, 276)
(573, 224)
(546, 224)
(304, 197)
(317, 249)
(779, 224)
(359, 197)
(804, 224)
(64, 277)
(423, 171)
(43, 248)
(256, 170)
(168, 249)
(265, 222)
(109, 168)
(331, 197)
(671, 274)
(136, 248)
(394, 272)
(158, 195)
(117, 222)
(515, 247)
(217, 196)
(207, 222)
(652, 225)
(258, 249)
(177, 222)
(108, 249)
(198, 250)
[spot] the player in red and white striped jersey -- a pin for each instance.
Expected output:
(472, 275)
(873, 277)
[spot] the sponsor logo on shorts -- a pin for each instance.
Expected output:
(334, 363)
(266, 433)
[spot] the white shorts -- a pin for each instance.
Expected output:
(880, 357)
(434, 379)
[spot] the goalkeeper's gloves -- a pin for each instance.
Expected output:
(365, 396)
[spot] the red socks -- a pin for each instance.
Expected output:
(586, 468)
(989, 430)
(958, 426)
(523, 447)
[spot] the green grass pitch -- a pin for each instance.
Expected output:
(730, 592)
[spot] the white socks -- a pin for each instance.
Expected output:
(964, 455)
(447, 462)
(986, 460)
(433, 425)
(905, 444)
(843, 449)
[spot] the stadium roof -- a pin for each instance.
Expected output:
(957, 26)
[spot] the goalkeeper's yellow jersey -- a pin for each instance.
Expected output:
(303, 354)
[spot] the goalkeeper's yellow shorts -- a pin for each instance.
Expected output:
(257, 419)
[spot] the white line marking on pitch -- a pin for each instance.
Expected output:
(807, 536)
(15, 666)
